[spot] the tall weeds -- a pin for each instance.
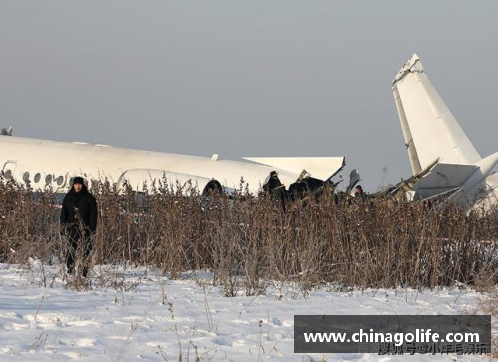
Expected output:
(249, 242)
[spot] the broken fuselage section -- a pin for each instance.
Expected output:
(53, 164)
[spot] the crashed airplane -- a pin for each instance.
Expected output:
(445, 164)
(49, 163)
(441, 155)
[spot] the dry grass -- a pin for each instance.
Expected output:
(487, 287)
(249, 242)
(488, 304)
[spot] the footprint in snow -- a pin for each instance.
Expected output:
(78, 342)
(276, 321)
(223, 341)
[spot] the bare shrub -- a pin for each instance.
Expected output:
(487, 286)
(248, 242)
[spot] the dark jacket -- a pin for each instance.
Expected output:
(82, 204)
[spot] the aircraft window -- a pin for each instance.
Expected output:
(71, 181)
(60, 180)
(37, 177)
(8, 174)
(48, 179)
(26, 176)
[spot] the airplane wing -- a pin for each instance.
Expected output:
(429, 128)
(321, 168)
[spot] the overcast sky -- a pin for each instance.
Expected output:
(253, 78)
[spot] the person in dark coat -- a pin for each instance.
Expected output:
(359, 193)
(276, 189)
(78, 222)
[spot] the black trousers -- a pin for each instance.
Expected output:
(78, 238)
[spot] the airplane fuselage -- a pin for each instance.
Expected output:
(53, 163)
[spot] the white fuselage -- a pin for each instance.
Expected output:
(54, 163)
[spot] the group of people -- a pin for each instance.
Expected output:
(78, 219)
(301, 189)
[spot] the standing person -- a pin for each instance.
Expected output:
(359, 193)
(276, 189)
(78, 222)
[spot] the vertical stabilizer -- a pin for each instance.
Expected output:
(429, 128)
(416, 167)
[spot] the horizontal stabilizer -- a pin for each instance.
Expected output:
(321, 168)
(443, 177)
(444, 196)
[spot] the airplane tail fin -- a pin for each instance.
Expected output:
(6, 131)
(430, 130)
(354, 178)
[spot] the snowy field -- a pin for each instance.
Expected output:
(153, 318)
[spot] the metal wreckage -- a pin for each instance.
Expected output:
(445, 164)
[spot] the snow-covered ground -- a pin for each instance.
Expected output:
(156, 319)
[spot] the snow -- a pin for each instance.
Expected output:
(153, 318)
